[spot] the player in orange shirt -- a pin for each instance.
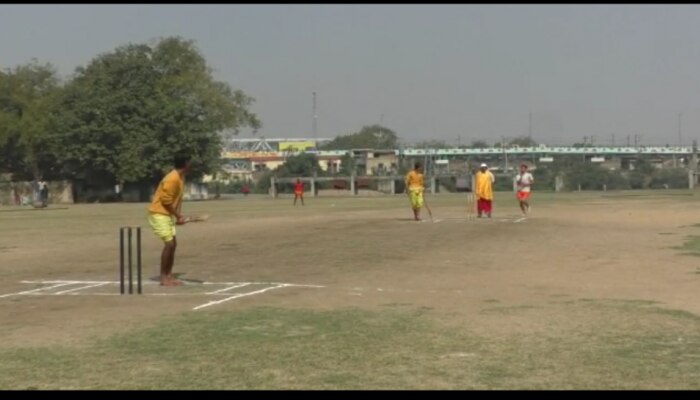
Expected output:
(414, 189)
(165, 213)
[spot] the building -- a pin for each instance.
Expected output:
(375, 162)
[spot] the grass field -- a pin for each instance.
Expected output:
(594, 291)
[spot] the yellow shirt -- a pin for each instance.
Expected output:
(169, 192)
(414, 180)
(484, 185)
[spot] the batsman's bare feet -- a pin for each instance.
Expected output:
(171, 282)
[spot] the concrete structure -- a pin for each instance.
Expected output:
(375, 162)
(274, 144)
(243, 164)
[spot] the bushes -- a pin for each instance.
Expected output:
(575, 172)
(676, 178)
(545, 178)
(595, 177)
(232, 187)
(636, 180)
(302, 165)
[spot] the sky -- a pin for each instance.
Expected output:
(454, 72)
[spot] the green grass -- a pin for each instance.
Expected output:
(691, 246)
(566, 344)
(259, 206)
(615, 345)
(508, 310)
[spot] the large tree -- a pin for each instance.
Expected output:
(433, 144)
(369, 137)
(300, 165)
(479, 144)
(523, 141)
(27, 94)
(126, 114)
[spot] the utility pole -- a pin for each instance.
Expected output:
(680, 140)
(315, 117)
(628, 140)
(613, 140)
(505, 155)
(529, 131)
(425, 159)
(694, 158)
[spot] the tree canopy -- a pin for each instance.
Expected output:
(121, 117)
(26, 95)
(369, 137)
(479, 144)
(433, 144)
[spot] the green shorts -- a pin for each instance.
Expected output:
(416, 198)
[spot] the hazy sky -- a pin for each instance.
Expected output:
(425, 71)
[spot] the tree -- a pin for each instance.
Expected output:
(369, 137)
(10, 114)
(479, 144)
(301, 165)
(26, 96)
(128, 111)
(433, 144)
(644, 166)
(347, 165)
(523, 141)
(520, 141)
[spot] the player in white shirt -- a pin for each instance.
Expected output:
(524, 182)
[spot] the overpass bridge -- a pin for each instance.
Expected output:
(543, 151)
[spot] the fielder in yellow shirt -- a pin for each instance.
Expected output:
(414, 189)
(484, 190)
(165, 212)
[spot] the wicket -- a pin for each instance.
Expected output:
(471, 206)
(128, 231)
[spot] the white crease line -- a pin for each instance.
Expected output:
(65, 281)
(198, 283)
(221, 292)
(229, 288)
(37, 290)
(80, 288)
(212, 303)
(296, 285)
(143, 294)
(261, 283)
(119, 294)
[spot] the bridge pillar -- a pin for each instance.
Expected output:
(273, 188)
(691, 179)
(558, 183)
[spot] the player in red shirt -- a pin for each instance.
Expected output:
(299, 192)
